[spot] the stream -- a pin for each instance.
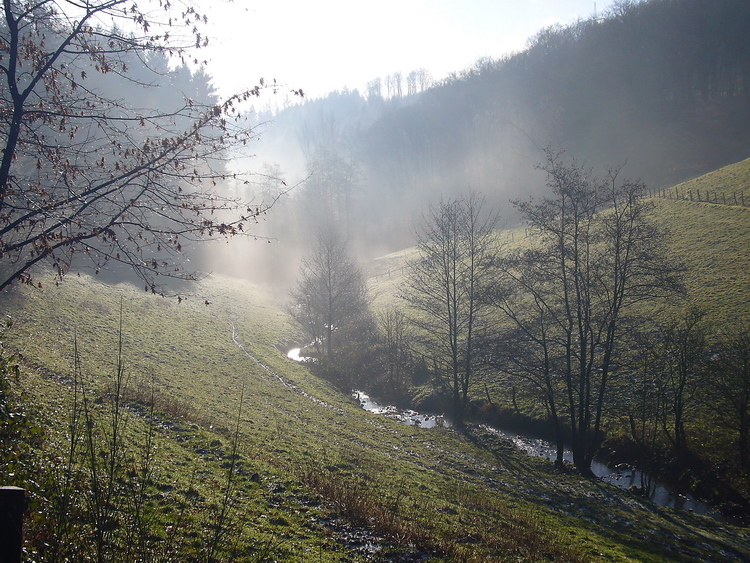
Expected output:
(622, 477)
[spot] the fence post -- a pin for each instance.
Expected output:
(12, 505)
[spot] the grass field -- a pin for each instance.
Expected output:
(314, 477)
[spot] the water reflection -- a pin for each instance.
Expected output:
(410, 417)
(622, 477)
(296, 355)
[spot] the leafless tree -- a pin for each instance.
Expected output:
(595, 253)
(681, 363)
(394, 332)
(411, 83)
(330, 189)
(397, 85)
(375, 89)
(731, 386)
(455, 246)
(330, 299)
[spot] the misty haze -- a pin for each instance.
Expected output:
(497, 315)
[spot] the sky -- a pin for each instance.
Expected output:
(325, 45)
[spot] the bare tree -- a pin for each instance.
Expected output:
(375, 89)
(681, 363)
(424, 79)
(86, 173)
(330, 300)
(525, 349)
(643, 406)
(329, 192)
(455, 246)
(397, 85)
(595, 254)
(411, 83)
(394, 335)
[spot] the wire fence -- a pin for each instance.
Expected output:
(718, 196)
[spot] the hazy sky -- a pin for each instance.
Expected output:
(326, 45)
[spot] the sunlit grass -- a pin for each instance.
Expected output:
(464, 497)
(713, 241)
(308, 452)
(729, 185)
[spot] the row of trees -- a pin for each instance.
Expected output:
(416, 81)
(552, 312)
(570, 318)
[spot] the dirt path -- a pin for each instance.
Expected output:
(284, 381)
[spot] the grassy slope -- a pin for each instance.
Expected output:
(472, 495)
(714, 242)
(728, 185)
(713, 239)
(475, 497)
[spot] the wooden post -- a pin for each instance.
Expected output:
(12, 505)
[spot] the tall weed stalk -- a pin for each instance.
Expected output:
(220, 526)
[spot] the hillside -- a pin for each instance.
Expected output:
(711, 236)
(713, 239)
(303, 472)
(659, 84)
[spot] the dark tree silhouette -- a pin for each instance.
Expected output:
(730, 384)
(443, 287)
(595, 253)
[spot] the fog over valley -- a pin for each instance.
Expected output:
(463, 282)
(640, 86)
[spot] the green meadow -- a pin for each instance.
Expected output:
(252, 458)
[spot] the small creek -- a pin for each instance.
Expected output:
(622, 477)
(296, 355)
(410, 417)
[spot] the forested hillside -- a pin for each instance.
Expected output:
(662, 86)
